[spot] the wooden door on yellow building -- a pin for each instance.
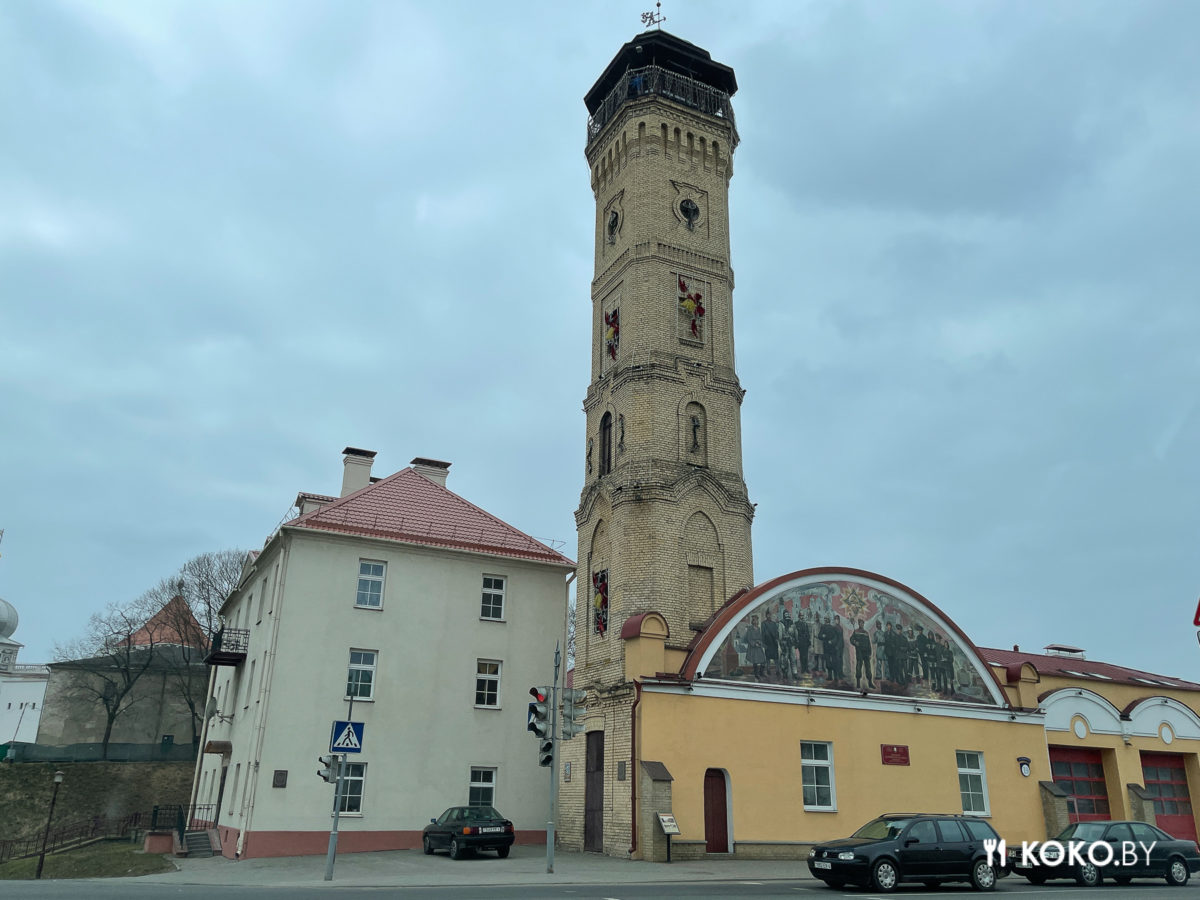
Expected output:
(716, 815)
(1166, 779)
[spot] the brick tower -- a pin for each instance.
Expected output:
(663, 519)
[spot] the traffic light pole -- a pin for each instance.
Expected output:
(554, 765)
(331, 853)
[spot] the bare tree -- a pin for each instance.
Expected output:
(105, 665)
(186, 624)
(207, 580)
(166, 629)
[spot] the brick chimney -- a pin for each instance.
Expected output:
(356, 469)
(434, 469)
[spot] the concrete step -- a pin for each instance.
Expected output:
(197, 844)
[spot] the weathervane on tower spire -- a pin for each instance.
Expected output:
(654, 18)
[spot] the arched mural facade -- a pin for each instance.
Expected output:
(851, 631)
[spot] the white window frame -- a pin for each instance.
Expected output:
(483, 778)
(969, 769)
(355, 775)
(362, 665)
(489, 593)
(484, 676)
(814, 764)
(370, 578)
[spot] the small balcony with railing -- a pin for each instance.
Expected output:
(229, 647)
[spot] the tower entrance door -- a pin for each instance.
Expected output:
(593, 793)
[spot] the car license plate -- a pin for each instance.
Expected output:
(822, 865)
(491, 829)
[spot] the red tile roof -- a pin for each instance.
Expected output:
(1072, 667)
(173, 624)
(409, 507)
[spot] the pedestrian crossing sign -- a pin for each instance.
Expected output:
(346, 737)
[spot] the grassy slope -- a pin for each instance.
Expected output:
(107, 859)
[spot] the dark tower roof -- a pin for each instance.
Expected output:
(658, 48)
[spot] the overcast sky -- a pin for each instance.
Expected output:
(237, 237)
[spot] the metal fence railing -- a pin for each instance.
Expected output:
(75, 834)
(182, 819)
(95, 752)
(657, 80)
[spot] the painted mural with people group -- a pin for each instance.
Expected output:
(847, 635)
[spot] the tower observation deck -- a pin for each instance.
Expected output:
(658, 63)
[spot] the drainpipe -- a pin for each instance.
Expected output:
(265, 683)
(199, 766)
(633, 778)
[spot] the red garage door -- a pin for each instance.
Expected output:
(1081, 773)
(1166, 780)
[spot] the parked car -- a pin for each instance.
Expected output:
(462, 829)
(899, 847)
(1168, 858)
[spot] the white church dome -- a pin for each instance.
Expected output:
(8, 618)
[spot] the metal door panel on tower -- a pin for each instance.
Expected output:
(593, 801)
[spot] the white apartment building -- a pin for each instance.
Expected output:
(433, 615)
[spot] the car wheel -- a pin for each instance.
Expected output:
(884, 876)
(502, 852)
(1087, 875)
(983, 876)
(1177, 872)
(456, 852)
(426, 846)
(1038, 878)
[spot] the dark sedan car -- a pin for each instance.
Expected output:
(464, 828)
(908, 847)
(1093, 851)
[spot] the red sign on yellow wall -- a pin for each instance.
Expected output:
(894, 754)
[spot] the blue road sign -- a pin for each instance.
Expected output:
(346, 737)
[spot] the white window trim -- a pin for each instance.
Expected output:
(362, 796)
(472, 783)
(498, 676)
(503, 592)
(374, 669)
(381, 578)
(982, 773)
(828, 764)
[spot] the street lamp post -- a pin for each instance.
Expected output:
(58, 779)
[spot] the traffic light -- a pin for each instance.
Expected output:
(328, 770)
(573, 712)
(539, 712)
(546, 752)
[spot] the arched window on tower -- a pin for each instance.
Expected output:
(606, 444)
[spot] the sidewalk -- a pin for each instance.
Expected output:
(526, 865)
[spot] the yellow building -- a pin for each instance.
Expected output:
(760, 745)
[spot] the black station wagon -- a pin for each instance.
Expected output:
(898, 847)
